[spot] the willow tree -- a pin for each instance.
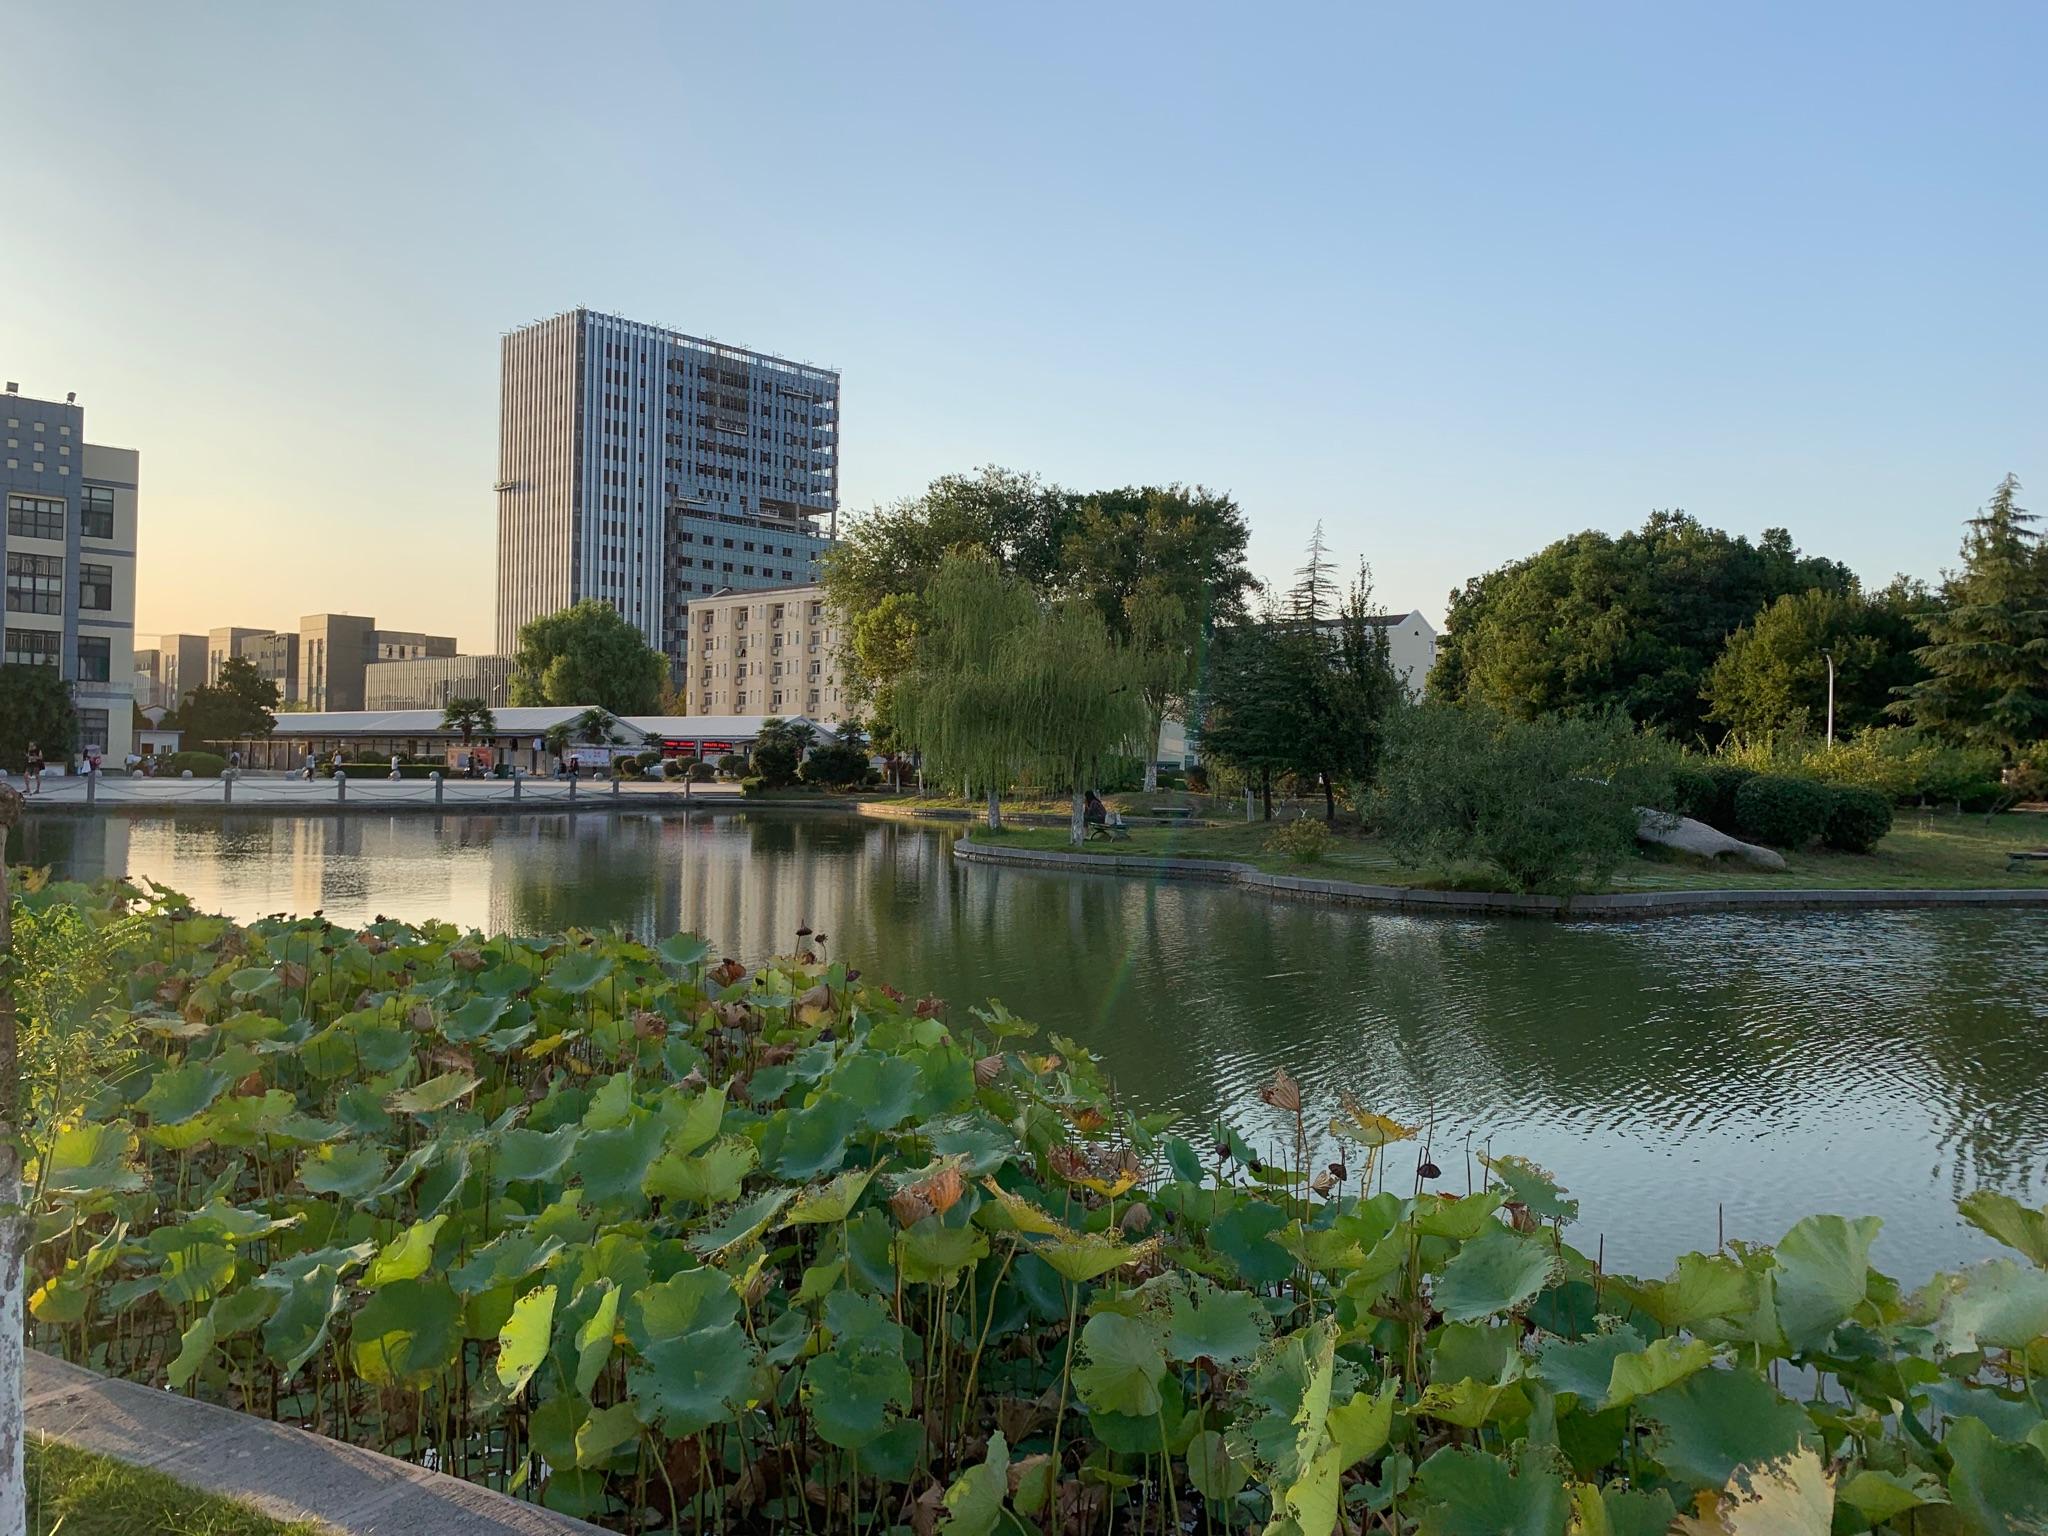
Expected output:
(1080, 695)
(958, 700)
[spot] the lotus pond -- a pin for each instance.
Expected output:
(677, 1244)
(1689, 1078)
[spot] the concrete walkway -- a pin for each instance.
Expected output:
(288, 1474)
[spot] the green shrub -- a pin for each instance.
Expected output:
(679, 767)
(203, 765)
(1728, 779)
(1858, 819)
(1198, 778)
(1694, 792)
(1550, 803)
(732, 766)
(382, 770)
(1304, 839)
(754, 785)
(1782, 809)
(701, 772)
(834, 766)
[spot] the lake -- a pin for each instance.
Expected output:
(1682, 1075)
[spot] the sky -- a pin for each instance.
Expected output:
(1454, 281)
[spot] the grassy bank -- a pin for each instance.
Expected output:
(76, 1493)
(1936, 851)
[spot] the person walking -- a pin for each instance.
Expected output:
(310, 767)
(32, 775)
(337, 763)
(235, 761)
(394, 765)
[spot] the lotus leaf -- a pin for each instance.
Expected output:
(932, 1253)
(1225, 1327)
(974, 1503)
(594, 1337)
(1215, 1473)
(1664, 1363)
(1126, 1358)
(688, 1383)
(436, 1093)
(711, 1178)
(524, 1154)
(523, 1341)
(180, 1093)
(575, 974)
(1498, 1272)
(2018, 1226)
(1472, 1493)
(407, 1333)
(1718, 1420)
(1822, 1275)
(613, 1164)
(349, 1171)
(1996, 1305)
(598, 1436)
(406, 1256)
(834, 1202)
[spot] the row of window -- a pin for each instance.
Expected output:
(42, 517)
(15, 421)
(42, 647)
(35, 584)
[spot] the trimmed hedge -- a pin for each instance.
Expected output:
(1781, 810)
(1694, 793)
(383, 770)
(203, 765)
(1727, 779)
(1858, 819)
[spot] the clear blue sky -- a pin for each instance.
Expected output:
(1454, 280)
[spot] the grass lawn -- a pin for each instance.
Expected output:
(75, 1493)
(1930, 850)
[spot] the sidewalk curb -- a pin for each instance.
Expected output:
(288, 1474)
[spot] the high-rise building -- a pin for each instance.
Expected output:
(275, 656)
(430, 682)
(646, 468)
(70, 546)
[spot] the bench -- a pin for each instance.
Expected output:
(2020, 858)
(1108, 832)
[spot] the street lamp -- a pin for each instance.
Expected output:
(1831, 696)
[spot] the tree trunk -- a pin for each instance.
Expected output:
(1266, 790)
(1077, 820)
(995, 812)
(13, 1228)
(1329, 799)
(1152, 753)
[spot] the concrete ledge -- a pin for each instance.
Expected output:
(1620, 905)
(288, 1474)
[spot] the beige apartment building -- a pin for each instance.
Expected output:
(772, 651)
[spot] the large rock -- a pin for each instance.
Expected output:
(1702, 841)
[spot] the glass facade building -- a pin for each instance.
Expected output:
(645, 468)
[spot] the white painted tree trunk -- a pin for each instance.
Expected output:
(1077, 825)
(13, 1231)
(13, 1332)
(995, 812)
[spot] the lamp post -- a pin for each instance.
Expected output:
(1831, 696)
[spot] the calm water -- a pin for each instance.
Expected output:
(1768, 1067)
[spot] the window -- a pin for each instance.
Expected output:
(96, 588)
(95, 659)
(32, 647)
(96, 511)
(92, 729)
(35, 583)
(34, 517)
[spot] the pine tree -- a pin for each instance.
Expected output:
(1987, 650)
(1314, 596)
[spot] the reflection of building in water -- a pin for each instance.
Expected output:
(80, 847)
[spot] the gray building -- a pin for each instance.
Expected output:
(275, 655)
(224, 645)
(430, 682)
(336, 649)
(644, 467)
(70, 550)
(180, 667)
